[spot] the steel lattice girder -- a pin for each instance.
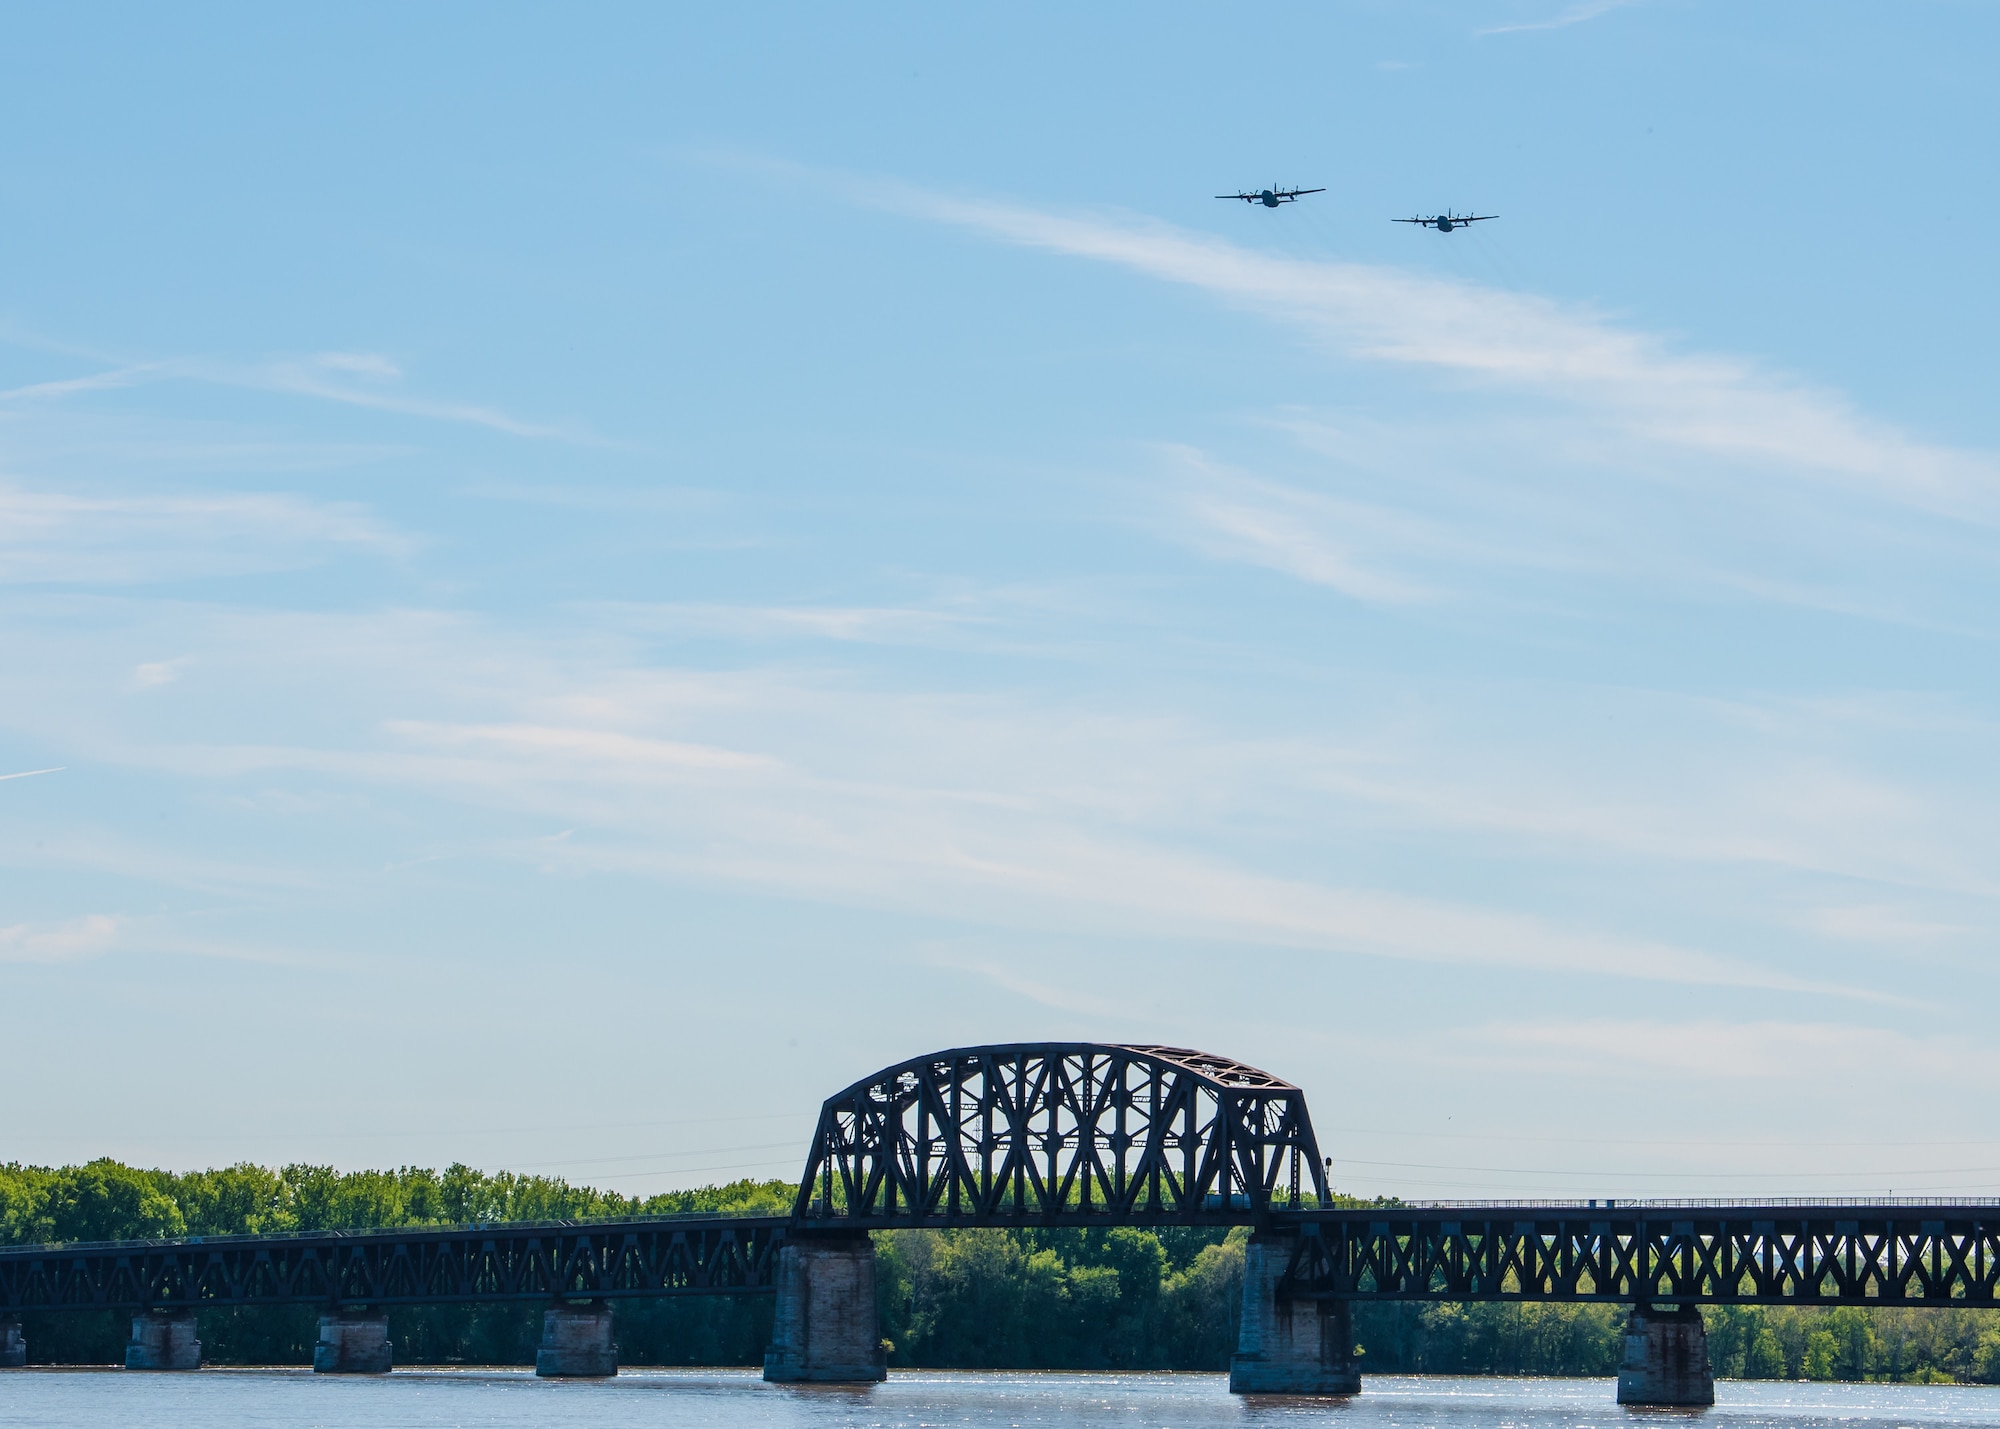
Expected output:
(1909, 1255)
(1067, 1133)
(605, 1260)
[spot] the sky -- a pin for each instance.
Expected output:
(575, 579)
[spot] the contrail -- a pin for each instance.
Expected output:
(31, 773)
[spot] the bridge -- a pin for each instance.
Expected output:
(1043, 1135)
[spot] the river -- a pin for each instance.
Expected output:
(738, 1399)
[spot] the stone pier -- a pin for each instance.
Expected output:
(353, 1342)
(1666, 1358)
(13, 1349)
(825, 1329)
(163, 1339)
(576, 1342)
(1289, 1346)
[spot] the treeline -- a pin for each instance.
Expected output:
(107, 1200)
(1066, 1299)
(1846, 1342)
(1071, 1299)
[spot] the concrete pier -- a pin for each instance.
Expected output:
(1666, 1358)
(353, 1342)
(163, 1339)
(1289, 1346)
(13, 1349)
(825, 1330)
(577, 1343)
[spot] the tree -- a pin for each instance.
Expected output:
(1766, 1359)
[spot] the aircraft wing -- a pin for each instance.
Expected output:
(1247, 198)
(1426, 222)
(1475, 218)
(1294, 193)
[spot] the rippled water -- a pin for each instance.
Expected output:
(693, 1399)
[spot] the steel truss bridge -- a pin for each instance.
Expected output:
(1078, 1134)
(419, 1266)
(1683, 1253)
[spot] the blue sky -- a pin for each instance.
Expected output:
(592, 575)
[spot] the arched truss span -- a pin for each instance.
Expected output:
(1062, 1133)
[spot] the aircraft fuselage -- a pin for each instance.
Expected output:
(1268, 199)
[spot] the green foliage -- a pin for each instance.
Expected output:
(1551, 1339)
(105, 1200)
(1764, 1360)
(1065, 1299)
(102, 1200)
(1854, 1342)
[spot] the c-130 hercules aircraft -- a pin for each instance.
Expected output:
(1272, 196)
(1445, 222)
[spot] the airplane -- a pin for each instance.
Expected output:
(1445, 222)
(1273, 196)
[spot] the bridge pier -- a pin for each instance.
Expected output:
(13, 1349)
(1289, 1345)
(353, 1342)
(163, 1339)
(825, 1331)
(576, 1342)
(1666, 1358)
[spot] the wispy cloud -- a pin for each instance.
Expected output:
(116, 377)
(624, 753)
(358, 379)
(1061, 996)
(1008, 855)
(1625, 380)
(1313, 538)
(1714, 1049)
(675, 500)
(1879, 923)
(31, 773)
(330, 377)
(152, 865)
(1712, 790)
(69, 539)
(91, 936)
(71, 941)
(1053, 818)
(1575, 15)
(151, 674)
(883, 625)
(1050, 818)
